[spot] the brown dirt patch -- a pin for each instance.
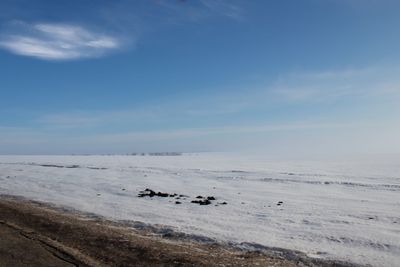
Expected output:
(35, 235)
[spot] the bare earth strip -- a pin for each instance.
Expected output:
(33, 234)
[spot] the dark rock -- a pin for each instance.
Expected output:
(72, 166)
(223, 203)
(150, 193)
(160, 194)
(202, 202)
(51, 165)
(199, 199)
(205, 202)
(95, 168)
(147, 193)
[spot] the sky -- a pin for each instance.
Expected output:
(281, 77)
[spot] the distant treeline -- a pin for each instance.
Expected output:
(137, 154)
(157, 154)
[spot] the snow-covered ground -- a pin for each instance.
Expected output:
(342, 210)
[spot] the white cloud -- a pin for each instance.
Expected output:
(57, 41)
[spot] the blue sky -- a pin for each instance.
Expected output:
(280, 77)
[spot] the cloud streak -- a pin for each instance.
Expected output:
(290, 139)
(177, 139)
(49, 41)
(335, 85)
(225, 8)
(374, 86)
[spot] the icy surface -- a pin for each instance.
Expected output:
(341, 210)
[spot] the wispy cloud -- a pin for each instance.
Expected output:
(293, 91)
(90, 119)
(227, 130)
(57, 41)
(121, 22)
(286, 139)
(333, 85)
(203, 9)
(225, 8)
(27, 140)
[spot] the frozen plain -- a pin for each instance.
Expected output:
(346, 210)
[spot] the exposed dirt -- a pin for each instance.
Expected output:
(17, 249)
(36, 235)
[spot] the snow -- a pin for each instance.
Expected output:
(331, 209)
